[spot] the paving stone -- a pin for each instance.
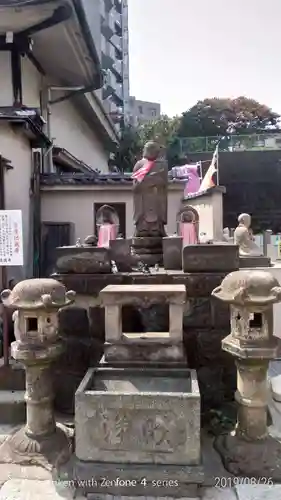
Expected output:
(258, 492)
(13, 471)
(218, 494)
(112, 497)
(26, 489)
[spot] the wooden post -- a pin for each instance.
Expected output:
(4, 271)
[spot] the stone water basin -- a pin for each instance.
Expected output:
(138, 416)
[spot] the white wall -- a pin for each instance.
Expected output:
(70, 131)
(31, 84)
(15, 147)
(210, 211)
(6, 89)
(76, 206)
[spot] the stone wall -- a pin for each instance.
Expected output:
(206, 322)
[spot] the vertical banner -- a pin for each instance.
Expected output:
(11, 240)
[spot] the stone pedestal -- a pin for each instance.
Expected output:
(83, 260)
(119, 251)
(252, 261)
(149, 249)
(40, 441)
(172, 252)
(210, 258)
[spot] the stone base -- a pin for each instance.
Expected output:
(259, 459)
(150, 259)
(145, 351)
(148, 249)
(147, 242)
(83, 260)
(210, 258)
(48, 452)
(119, 251)
(136, 480)
(172, 253)
(248, 262)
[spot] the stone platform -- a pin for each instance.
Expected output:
(252, 262)
(205, 323)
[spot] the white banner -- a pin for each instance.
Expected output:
(11, 242)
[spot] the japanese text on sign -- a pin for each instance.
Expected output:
(11, 243)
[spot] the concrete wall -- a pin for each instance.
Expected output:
(70, 131)
(210, 211)
(15, 147)
(31, 84)
(67, 127)
(64, 204)
(6, 93)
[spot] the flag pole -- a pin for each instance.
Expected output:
(218, 178)
(201, 171)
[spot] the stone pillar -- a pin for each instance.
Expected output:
(251, 397)
(40, 420)
(176, 321)
(113, 323)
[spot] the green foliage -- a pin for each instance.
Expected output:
(133, 140)
(216, 116)
(209, 118)
(129, 150)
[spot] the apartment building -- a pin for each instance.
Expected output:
(109, 25)
(143, 111)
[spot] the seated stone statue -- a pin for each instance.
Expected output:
(150, 187)
(243, 237)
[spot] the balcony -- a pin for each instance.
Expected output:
(117, 69)
(233, 143)
(118, 5)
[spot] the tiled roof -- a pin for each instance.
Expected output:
(89, 179)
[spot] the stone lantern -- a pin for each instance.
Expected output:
(249, 450)
(37, 345)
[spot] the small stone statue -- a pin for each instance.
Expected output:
(91, 240)
(114, 268)
(143, 268)
(243, 237)
(78, 243)
(150, 189)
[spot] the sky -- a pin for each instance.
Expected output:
(182, 51)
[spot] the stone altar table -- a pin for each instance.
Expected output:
(121, 348)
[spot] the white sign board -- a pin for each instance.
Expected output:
(11, 242)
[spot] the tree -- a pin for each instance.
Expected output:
(163, 130)
(129, 149)
(219, 116)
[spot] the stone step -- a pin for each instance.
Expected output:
(12, 407)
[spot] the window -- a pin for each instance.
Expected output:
(140, 110)
(153, 111)
(31, 324)
(256, 320)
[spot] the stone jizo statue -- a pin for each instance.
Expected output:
(243, 237)
(150, 188)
